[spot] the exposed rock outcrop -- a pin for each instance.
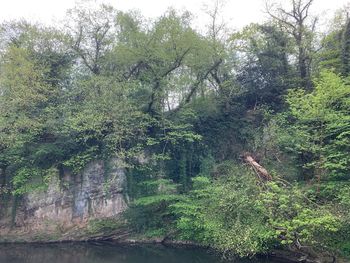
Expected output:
(64, 210)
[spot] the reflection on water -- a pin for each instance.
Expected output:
(103, 253)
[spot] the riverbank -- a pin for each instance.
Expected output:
(124, 238)
(278, 255)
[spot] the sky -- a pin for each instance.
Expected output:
(236, 13)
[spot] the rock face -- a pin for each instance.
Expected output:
(70, 202)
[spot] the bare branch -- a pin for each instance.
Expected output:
(195, 85)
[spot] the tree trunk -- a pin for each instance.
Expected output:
(260, 171)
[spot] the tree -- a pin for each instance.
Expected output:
(334, 51)
(322, 124)
(263, 69)
(24, 112)
(44, 44)
(330, 54)
(92, 34)
(298, 23)
(169, 60)
(345, 49)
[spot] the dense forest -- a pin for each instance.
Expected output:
(238, 140)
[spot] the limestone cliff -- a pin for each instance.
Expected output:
(67, 207)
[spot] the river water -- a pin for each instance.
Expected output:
(106, 253)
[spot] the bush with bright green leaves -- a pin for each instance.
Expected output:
(238, 216)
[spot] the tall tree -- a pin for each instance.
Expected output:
(334, 53)
(170, 60)
(92, 33)
(263, 71)
(298, 22)
(345, 49)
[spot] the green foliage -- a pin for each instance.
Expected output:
(322, 122)
(264, 72)
(296, 219)
(150, 213)
(237, 217)
(345, 49)
(21, 178)
(330, 55)
(31, 179)
(224, 213)
(103, 226)
(178, 108)
(79, 161)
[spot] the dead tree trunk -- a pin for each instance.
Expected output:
(259, 170)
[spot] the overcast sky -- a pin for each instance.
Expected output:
(237, 13)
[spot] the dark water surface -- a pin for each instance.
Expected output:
(106, 253)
